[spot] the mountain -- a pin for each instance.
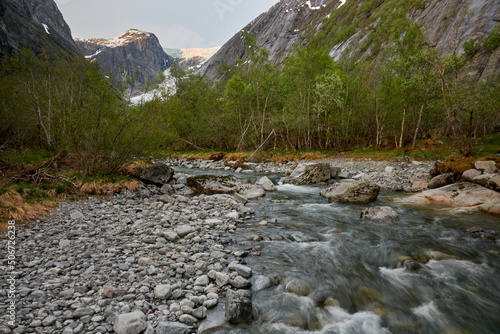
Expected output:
(34, 24)
(192, 58)
(356, 29)
(134, 59)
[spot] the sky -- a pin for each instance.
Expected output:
(176, 23)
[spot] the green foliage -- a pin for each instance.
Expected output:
(492, 42)
(66, 106)
(471, 48)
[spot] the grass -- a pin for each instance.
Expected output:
(24, 201)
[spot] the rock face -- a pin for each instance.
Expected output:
(352, 192)
(380, 214)
(306, 174)
(277, 30)
(135, 55)
(34, 24)
(465, 195)
(285, 23)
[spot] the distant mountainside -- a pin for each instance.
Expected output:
(134, 58)
(34, 24)
(192, 58)
(361, 29)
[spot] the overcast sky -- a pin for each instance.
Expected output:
(176, 23)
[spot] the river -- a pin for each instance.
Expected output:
(351, 274)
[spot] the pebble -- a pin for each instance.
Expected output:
(94, 264)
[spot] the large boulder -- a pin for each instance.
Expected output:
(441, 181)
(380, 214)
(251, 191)
(494, 183)
(464, 195)
(470, 174)
(238, 309)
(266, 183)
(130, 323)
(159, 175)
(213, 184)
(486, 166)
(352, 192)
(307, 174)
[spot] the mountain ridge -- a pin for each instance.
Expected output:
(348, 26)
(135, 58)
(37, 25)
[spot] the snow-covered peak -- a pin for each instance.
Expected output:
(127, 37)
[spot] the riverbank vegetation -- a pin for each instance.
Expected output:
(66, 131)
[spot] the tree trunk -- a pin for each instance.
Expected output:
(402, 126)
(418, 127)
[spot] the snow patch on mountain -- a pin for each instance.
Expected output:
(164, 90)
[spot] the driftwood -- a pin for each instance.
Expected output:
(39, 175)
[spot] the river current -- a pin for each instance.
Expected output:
(351, 274)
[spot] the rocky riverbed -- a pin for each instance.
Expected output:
(153, 261)
(143, 261)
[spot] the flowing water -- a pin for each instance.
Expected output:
(352, 274)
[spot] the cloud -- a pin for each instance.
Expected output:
(175, 35)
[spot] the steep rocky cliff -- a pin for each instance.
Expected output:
(134, 58)
(348, 29)
(34, 24)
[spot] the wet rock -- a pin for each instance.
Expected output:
(475, 229)
(464, 195)
(158, 175)
(240, 283)
(165, 327)
(267, 184)
(439, 256)
(130, 323)
(441, 181)
(380, 214)
(486, 166)
(352, 192)
(307, 174)
(213, 184)
(412, 266)
(470, 174)
(242, 270)
(261, 283)
(238, 309)
(251, 191)
(298, 287)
